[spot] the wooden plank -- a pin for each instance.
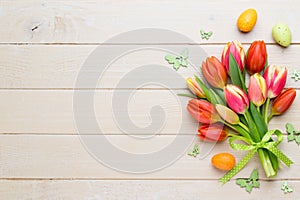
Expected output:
(36, 21)
(61, 157)
(144, 190)
(51, 112)
(51, 66)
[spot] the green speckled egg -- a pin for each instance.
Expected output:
(282, 35)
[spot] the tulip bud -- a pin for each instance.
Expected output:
(236, 99)
(237, 50)
(212, 132)
(203, 111)
(257, 90)
(275, 77)
(227, 114)
(214, 72)
(195, 88)
(283, 102)
(256, 57)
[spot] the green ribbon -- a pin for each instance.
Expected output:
(252, 147)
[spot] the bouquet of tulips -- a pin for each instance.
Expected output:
(228, 108)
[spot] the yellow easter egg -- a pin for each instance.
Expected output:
(247, 20)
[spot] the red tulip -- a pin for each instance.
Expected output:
(236, 99)
(195, 88)
(212, 132)
(238, 53)
(275, 77)
(214, 72)
(256, 57)
(257, 91)
(203, 111)
(283, 102)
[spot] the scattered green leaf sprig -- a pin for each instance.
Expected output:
(295, 75)
(178, 61)
(205, 35)
(293, 134)
(249, 183)
(285, 188)
(195, 151)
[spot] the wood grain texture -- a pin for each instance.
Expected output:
(36, 21)
(52, 112)
(43, 45)
(144, 190)
(40, 66)
(64, 157)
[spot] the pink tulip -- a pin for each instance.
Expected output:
(238, 53)
(214, 72)
(236, 98)
(275, 77)
(257, 91)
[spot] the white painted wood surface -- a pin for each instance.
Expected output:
(43, 45)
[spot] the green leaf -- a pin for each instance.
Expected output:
(290, 137)
(184, 63)
(249, 188)
(205, 35)
(204, 88)
(297, 139)
(259, 120)
(185, 54)
(235, 73)
(249, 183)
(170, 58)
(215, 99)
(254, 132)
(292, 133)
(241, 182)
(254, 174)
(176, 65)
(220, 94)
(195, 151)
(289, 128)
(285, 188)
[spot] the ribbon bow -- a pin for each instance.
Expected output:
(252, 147)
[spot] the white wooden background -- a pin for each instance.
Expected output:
(43, 45)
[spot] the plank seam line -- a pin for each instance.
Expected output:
(140, 179)
(112, 44)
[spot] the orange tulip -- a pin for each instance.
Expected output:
(214, 72)
(256, 57)
(283, 102)
(212, 132)
(203, 111)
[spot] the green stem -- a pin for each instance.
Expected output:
(266, 163)
(270, 117)
(267, 110)
(258, 109)
(238, 129)
(243, 126)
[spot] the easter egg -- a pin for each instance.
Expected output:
(223, 161)
(247, 20)
(282, 35)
